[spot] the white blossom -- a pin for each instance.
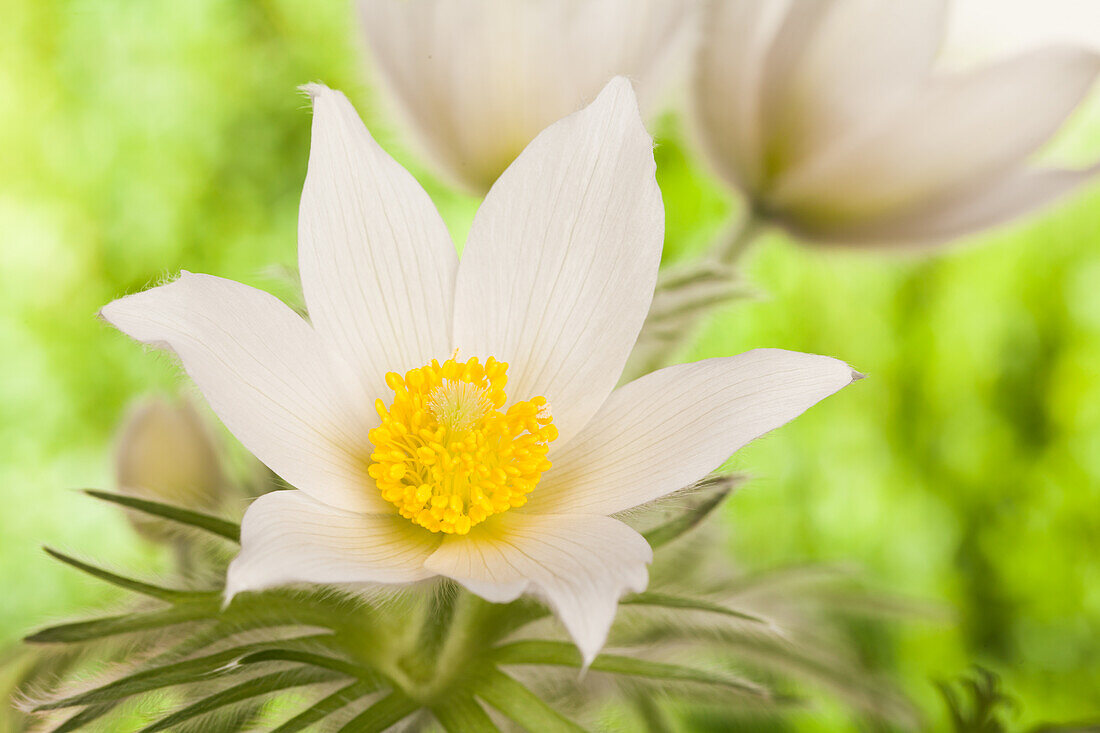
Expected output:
(478, 79)
(389, 413)
(830, 118)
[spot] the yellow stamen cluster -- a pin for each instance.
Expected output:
(447, 455)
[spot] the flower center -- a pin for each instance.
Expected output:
(447, 455)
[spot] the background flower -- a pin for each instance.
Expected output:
(829, 118)
(478, 79)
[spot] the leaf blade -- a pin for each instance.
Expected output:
(246, 690)
(391, 709)
(83, 717)
(682, 524)
(106, 626)
(463, 715)
(206, 522)
(313, 660)
(512, 698)
(321, 709)
(170, 595)
(693, 604)
(154, 678)
(564, 654)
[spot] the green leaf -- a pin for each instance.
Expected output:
(154, 678)
(85, 716)
(154, 591)
(670, 530)
(490, 622)
(313, 660)
(325, 607)
(327, 706)
(214, 525)
(521, 705)
(463, 715)
(246, 690)
(951, 700)
(392, 708)
(564, 654)
(650, 712)
(804, 659)
(114, 625)
(694, 604)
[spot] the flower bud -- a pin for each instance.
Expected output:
(165, 453)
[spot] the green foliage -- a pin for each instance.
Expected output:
(326, 706)
(714, 490)
(460, 714)
(978, 703)
(225, 660)
(220, 527)
(391, 709)
(137, 586)
(521, 705)
(987, 708)
(564, 654)
(107, 626)
(695, 604)
(250, 688)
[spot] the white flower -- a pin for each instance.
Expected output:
(478, 79)
(553, 286)
(828, 116)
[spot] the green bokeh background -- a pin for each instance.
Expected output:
(141, 138)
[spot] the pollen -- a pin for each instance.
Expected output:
(448, 455)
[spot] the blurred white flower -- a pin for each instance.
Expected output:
(828, 116)
(478, 79)
(389, 412)
(165, 453)
(989, 26)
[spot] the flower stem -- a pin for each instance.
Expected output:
(437, 621)
(463, 715)
(744, 234)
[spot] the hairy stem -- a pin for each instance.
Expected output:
(738, 243)
(437, 620)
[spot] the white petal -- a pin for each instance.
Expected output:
(287, 537)
(377, 262)
(670, 428)
(958, 132)
(267, 376)
(737, 41)
(1018, 194)
(562, 258)
(996, 26)
(838, 62)
(479, 79)
(776, 78)
(581, 565)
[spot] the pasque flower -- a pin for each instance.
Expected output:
(459, 418)
(828, 116)
(478, 79)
